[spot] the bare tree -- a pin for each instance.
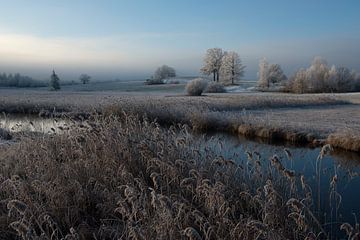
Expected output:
(263, 81)
(164, 72)
(231, 68)
(345, 79)
(276, 74)
(299, 81)
(84, 78)
(331, 79)
(270, 74)
(317, 73)
(212, 63)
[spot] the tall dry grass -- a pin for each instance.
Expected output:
(128, 178)
(346, 139)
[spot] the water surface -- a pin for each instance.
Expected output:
(345, 165)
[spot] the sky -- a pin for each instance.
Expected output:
(129, 39)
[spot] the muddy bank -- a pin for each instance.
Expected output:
(342, 140)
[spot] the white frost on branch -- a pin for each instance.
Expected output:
(212, 63)
(231, 68)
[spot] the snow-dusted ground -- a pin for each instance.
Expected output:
(178, 80)
(321, 112)
(238, 89)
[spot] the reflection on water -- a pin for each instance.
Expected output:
(29, 123)
(344, 165)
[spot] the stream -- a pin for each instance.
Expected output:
(345, 165)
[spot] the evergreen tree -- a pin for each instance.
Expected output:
(54, 82)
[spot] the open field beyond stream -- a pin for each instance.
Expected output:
(307, 118)
(163, 165)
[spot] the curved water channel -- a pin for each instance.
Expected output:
(345, 165)
(304, 161)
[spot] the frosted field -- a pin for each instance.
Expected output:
(319, 113)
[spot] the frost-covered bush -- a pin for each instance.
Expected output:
(319, 77)
(196, 86)
(215, 88)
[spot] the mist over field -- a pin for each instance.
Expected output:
(109, 59)
(98, 40)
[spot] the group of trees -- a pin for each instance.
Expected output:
(270, 75)
(318, 78)
(18, 80)
(225, 67)
(55, 80)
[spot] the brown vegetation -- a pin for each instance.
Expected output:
(277, 134)
(345, 139)
(126, 178)
(196, 87)
(215, 87)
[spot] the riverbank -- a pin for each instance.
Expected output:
(309, 118)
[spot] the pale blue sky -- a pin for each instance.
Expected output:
(128, 39)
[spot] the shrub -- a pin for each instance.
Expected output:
(215, 88)
(196, 87)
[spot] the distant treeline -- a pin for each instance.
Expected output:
(17, 80)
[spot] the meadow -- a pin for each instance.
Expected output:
(134, 165)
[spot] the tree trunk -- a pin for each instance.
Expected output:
(217, 76)
(232, 77)
(214, 73)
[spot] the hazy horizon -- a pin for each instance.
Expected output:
(128, 40)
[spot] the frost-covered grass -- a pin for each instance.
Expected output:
(316, 114)
(127, 178)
